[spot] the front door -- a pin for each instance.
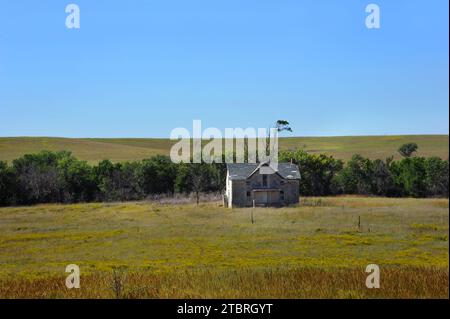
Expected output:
(260, 198)
(269, 197)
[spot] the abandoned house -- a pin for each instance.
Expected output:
(261, 183)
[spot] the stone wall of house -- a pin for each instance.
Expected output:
(242, 195)
(256, 181)
(238, 193)
(291, 191)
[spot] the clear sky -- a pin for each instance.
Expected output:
(141, 68)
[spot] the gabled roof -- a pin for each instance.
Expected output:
(239, 171)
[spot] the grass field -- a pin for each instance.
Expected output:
(316, 250)
(125, 149)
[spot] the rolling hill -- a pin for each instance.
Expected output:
(126, 149)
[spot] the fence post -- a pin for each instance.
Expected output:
(252, 211)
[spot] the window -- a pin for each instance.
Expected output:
(281, 195)
(264, 182)
(248, 194)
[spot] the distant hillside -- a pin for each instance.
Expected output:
(126, 149)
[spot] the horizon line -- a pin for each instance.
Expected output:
(283, 137)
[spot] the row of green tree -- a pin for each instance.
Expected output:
(50, 177)
(408, 177)
(58, 177)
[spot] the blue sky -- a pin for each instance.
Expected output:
(141, 68)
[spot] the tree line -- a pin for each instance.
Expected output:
(409, 177)
(59, 177)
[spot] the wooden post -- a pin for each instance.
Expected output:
(252, 211)
(359, 223)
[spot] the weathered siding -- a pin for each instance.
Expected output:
(291, 191)
(264, 185)
(240, 192)
(256, 181)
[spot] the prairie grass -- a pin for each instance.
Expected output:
(319, 249)
(396, 282)
(129, 149)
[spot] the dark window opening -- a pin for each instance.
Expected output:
(264, 180)
(282, 195)
(248, 193)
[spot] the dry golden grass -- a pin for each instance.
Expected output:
(396, 282)
(316, 249)
(128, 149)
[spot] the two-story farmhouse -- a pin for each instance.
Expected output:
(262, 183)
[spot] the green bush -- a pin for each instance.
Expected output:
(47, 177)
